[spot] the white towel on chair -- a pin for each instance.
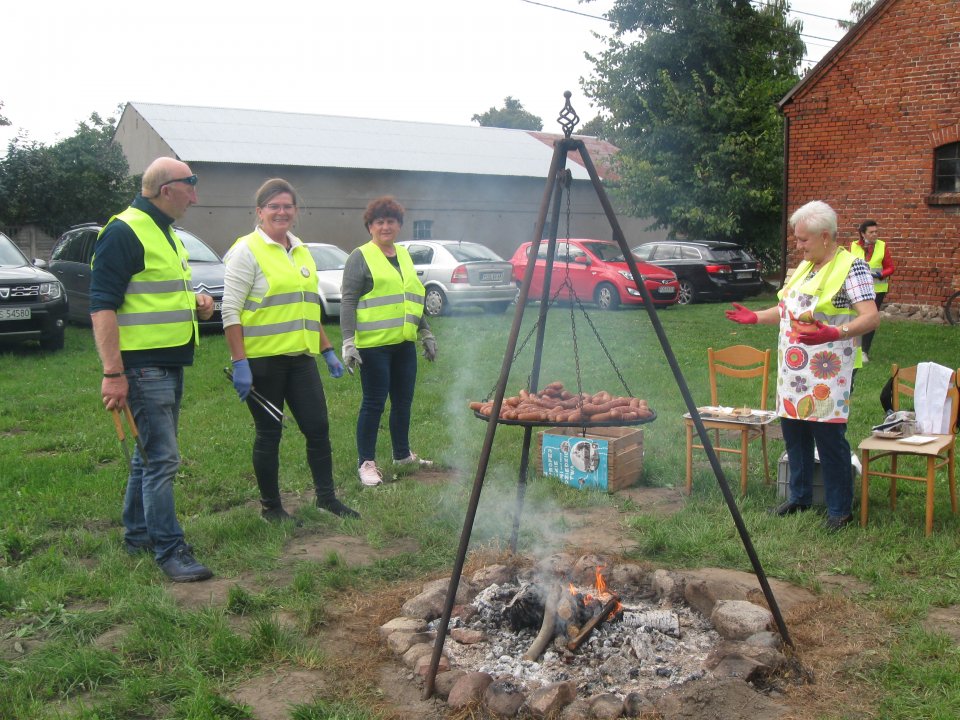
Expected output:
(930, 400)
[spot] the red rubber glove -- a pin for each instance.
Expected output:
(823, 334)
(742, 315)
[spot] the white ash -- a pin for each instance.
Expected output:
(650, 647)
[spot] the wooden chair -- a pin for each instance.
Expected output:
(745, 363)
(938, 453)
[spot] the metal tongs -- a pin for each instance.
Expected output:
(271, 409)
(132, 429)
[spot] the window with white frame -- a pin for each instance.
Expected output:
(422, 229)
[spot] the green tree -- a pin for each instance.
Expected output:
(3, 119)
(858, 8)
(511, 115)
(691, 87)
(79, 179)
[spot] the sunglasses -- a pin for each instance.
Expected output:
(192, 180)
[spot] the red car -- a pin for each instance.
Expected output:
(598, 274)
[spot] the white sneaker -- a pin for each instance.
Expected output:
(414, 459)
(370, 474)
(863, 356)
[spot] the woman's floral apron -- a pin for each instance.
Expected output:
(813, 381)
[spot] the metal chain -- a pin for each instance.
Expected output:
(606, 350)
(575, 299)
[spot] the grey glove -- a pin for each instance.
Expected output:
(878, 274)
(429, 345)
(350, 355)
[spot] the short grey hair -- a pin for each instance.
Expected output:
(817, 216)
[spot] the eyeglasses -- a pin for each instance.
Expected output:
(192, 180)
(273, 207)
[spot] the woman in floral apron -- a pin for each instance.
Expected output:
(824, 308)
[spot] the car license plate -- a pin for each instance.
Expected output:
(491, 276)
(665, 290)
(743, 274)
(14, 313)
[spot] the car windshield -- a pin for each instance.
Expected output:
(469, 252)
(196, 248)
(10, 254)
(328, 257)
(608, 252)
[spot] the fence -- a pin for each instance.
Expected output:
(35, 241)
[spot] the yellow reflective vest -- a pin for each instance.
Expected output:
(824, 289)
(286, 320)
(159, 307)
(390, 313)
(876, 262)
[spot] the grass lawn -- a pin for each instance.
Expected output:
(65, 579)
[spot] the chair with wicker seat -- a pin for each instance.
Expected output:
(744, 363)
(937, 454)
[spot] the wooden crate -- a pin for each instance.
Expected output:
(603, 458)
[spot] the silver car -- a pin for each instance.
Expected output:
(460, 274)
(330, 260)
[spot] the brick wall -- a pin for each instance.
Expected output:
(862, 135)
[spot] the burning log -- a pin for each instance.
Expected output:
(525, 609)
(608, 609)
(549, 624)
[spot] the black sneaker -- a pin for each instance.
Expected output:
(835, 523)
(338, 508)
(134, 549)
(788, 508)
(181, 566)
(278, 515)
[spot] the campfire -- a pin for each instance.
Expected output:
(542, 627)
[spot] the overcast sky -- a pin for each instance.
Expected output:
(425, 60)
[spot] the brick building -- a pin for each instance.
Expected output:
(874, 130)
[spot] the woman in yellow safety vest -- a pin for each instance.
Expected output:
(271, 320)
(824, 308)
(876, 254)
(381, 317)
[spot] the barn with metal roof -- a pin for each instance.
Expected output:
(457, 182)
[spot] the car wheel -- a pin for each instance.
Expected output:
(52, 343)
(497, 308)
(607, 297)
(685, 296)
(435, 302)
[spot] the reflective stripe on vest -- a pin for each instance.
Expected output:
(390, 313)
(876, 262)
(286, 319)
(159, 305)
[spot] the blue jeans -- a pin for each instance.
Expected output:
(830, 439)
(148, 511)
(388, 370)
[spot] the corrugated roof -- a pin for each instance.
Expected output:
(261, 137)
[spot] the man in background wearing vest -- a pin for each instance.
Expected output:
(144, 314)
(878, 257)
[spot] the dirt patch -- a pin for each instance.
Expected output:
(351, 550)
(944, 620)
(844, 584)
(722, 700)
(354, 551)
(272, 696)
(655, 501)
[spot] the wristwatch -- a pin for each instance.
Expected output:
(844, 331)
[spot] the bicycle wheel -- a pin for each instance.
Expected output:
(951, 309)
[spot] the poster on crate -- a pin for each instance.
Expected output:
(578, 461)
